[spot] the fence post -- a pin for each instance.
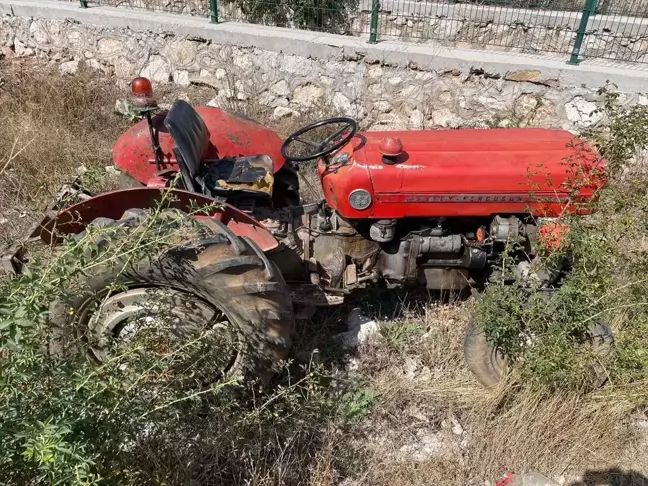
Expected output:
(213, 9)
(373, 30)
(83, 3)
(590, 6)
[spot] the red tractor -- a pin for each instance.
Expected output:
(433, 208)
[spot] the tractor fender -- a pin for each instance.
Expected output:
(230, 135)
(73, 219)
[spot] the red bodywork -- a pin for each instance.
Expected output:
(439, 173)
(230, 135)
(461, 173)
(113, 204)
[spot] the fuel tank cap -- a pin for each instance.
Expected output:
(390, 148)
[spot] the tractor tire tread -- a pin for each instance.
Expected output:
(230, 272)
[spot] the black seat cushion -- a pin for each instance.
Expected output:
(191, 139)
(250, 175)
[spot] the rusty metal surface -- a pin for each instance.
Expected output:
(311, 294)
(73, 219)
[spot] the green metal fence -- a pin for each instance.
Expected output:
(571, 29)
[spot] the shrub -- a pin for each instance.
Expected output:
(325, 15)
(147, 417)
(542, 335)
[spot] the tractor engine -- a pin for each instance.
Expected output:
(442, 208)
(439, 253)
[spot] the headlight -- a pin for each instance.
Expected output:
(360, 199)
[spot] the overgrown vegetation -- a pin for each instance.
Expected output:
(326, 15)
(607, 283)
(153, 411)
(403, 411)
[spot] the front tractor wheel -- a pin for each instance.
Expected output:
(222, 287)
(484, 360)
(489, 365)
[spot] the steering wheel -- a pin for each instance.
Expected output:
(319, 148)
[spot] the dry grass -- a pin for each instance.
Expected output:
(51, 126)
(433, 424)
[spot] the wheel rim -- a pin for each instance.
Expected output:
(179, 316)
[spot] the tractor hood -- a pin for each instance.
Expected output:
(465, 172)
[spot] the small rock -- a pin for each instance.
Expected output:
(226, 93)
(417, 119)
(217, 102)
(531, 76)
(181, 78)
(266, 98)
(457, 429)
(410, 367)
(361, 335)
(326, 80)
(582, 113)
(375, 72)
(7, 52)
(362, 329)
(383, 106)
(22, 50)
(352, 364)
(281, 88)
(123, 68)
(454, 425)
(94, 64)
(283, 112)
(307, 95)
(112, 170)
(426, 445)
(342, 103)
(531, 479)
(157, 70)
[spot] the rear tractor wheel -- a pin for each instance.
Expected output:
(222, 286)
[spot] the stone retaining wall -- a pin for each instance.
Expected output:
(385, 96)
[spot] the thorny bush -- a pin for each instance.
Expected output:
(145, 417)
(544, 335)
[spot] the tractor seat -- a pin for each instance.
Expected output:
(227, 177)
(191, 139)
(251, 173)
